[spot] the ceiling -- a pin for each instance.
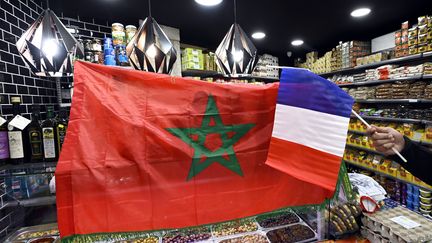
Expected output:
(321, 24)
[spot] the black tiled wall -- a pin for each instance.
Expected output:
(15, 78)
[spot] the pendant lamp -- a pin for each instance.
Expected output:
(236, 55)
(47, 48)
(150, 49)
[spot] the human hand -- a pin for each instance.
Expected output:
(386, 138)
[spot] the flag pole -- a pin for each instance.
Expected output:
(369, 126)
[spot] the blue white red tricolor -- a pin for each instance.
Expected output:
(310, 127)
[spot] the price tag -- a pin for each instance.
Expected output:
(2, 121)
(405, 222)
(412, 100)
(19, 122)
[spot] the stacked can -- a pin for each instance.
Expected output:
(413, 200)
(109, 52)
(425, 202)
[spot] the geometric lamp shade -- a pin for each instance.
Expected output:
(150, 49)
(236, 54)
(47, 48)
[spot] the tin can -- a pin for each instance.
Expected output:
(122, 59)
(108, 43)
(110, 60)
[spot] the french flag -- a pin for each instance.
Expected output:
(310, 128)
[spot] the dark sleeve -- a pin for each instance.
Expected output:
(419, 160)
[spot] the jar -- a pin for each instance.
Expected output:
(117, 27)
(118, 38)
(87, 45)
(130, 32)
(96, 45)
(89, 56)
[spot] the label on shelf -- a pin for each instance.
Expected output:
(2, 121)
(48, 142)
(16, 148)
(412, 100)
(19, 122)
(405, 222)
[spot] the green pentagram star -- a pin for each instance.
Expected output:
(224, 155)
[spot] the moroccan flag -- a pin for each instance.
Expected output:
(311, 125)
(147, 151)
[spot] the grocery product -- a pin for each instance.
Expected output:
(253, 238)
(292, 233)
(268, 221)
(187, 236)
(234, 227)
(130, 32)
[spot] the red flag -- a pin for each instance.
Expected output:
(147, 151)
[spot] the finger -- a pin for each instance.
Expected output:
(383, 129)
(382, 142)
(380, 135)
(370, 130)
(385, 147)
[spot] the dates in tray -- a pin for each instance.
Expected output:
(254, 238)
(294, 233)
(187, 236)
(277, 220)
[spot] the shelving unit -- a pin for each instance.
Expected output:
(214, 74)
(364, 149)
(34, 202)
(401, 60)
(395, 101)
(376, 82)
(391, 119)
(384, 174)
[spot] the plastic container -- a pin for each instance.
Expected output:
(425, 193)
(425, 206)
(425, 200)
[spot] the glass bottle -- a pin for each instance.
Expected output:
(48, 136)
(15, 136)
(4, 143)
(34, 132)
(62, 124)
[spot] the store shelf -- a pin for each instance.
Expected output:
(384, 174)
(391, 119)
(395, 101)
(34, 202)
(28, 166)
(363, 148)
(357, 132)
(376, 82)
(199, 73)
(391, 61)
(400, 60)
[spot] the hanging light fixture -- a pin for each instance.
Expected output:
(236, 54)
(47, 47)
(150, 49)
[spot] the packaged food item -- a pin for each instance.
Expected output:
(194, 234)
(422, 48)
(293, 233)
(422, 29)
(425, 212)
(425, 206)
(117, 27)
(430, 46)
(118, 37)
(413, 32)
(404, 25)
(422, 39)
(234, 227)
(130, 32)
(422, 20)
(426, 200)
(413, 50)
(412, 42)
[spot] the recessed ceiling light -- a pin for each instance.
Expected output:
(209, 2)
(258, 35)
(297, 42)
(360, 12)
